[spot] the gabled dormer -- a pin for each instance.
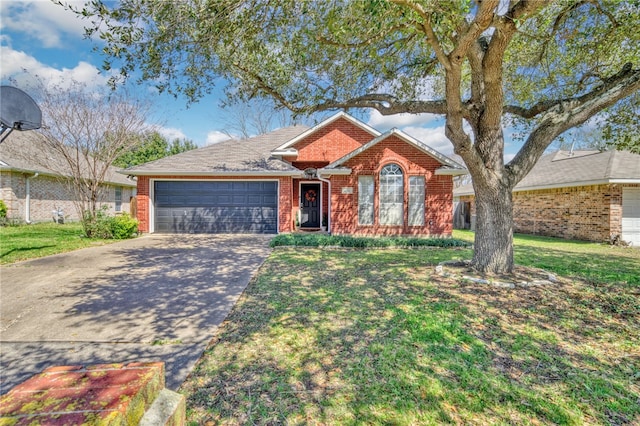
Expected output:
(326, 142)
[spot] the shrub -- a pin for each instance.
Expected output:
(97, 226)
(3, 210)
(107, 227)
(123, 226)
(320, 240)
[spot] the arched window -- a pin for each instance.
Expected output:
(391, 195)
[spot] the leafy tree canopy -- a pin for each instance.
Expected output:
(543, 67)
(152, 146)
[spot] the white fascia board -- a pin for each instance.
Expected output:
(428, 150)
(574, 184)
(568, 185)
(292, 173)
(442, 159)
(324, 123)
(444, 171)
(285, 152)
(625, 181)
(131, 184)
(330, 172)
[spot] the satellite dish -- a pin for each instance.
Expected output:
(17, 111)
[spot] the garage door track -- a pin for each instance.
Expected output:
(157, 297)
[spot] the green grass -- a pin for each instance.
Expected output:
(596, 263)
(24, 242)
(343, 336)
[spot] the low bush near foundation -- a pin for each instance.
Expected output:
(322, 240)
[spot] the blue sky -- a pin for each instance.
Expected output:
(47, 41)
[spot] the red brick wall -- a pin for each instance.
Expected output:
(329, 144)
(142, 203)
(284, 197)
(438, 191)
(590, 213)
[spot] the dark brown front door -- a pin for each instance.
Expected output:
(310, 205)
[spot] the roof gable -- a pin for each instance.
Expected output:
(441, 158)
(287, 148)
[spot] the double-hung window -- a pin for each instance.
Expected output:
(118, 206)
(416, 200)
(365, 200)
(391, 195)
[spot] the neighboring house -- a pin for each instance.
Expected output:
(32, 188)
(340, 173)
(583, 195)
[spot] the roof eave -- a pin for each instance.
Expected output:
(443, 171)
(292, 173)
(285, 152)
(330, 172)
(565, 185)
(56, 175)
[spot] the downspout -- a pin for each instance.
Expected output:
(328, 182)
(27, 208)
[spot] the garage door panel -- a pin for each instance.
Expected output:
(216, 207)
(631, 215)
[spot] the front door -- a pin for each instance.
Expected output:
(310, 205)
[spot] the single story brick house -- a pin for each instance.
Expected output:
(583, 195)
(32, 188)
(341, 173)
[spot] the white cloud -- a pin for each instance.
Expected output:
(434, 137)
(45, 21)
(385, 122)
(216, 136)
(171, 133)
(22, 68)
(508, 157)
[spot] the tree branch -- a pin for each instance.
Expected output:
(367, 42)
(387, 105)
(484, 18)
(427, 29)
(568, 113)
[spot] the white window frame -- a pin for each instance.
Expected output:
(391, 196)
(416, 204)
(366, 205)
(118, 198)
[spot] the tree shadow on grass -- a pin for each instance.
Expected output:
(596, 268)
(371, 337)
(23, 249)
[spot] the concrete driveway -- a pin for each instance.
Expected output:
(157, 297)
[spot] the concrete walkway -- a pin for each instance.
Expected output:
(154, 298)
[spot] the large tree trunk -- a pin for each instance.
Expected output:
(494, 228)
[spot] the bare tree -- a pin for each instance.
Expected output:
(86, 130)
(255, 117)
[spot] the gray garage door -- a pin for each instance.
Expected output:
(216, 207)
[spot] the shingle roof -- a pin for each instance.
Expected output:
(246, 156)
(581, 167)
(26, 152)
(563, 168)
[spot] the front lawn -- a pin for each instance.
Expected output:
(24, 242)
(596, 263)
(348, 336)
